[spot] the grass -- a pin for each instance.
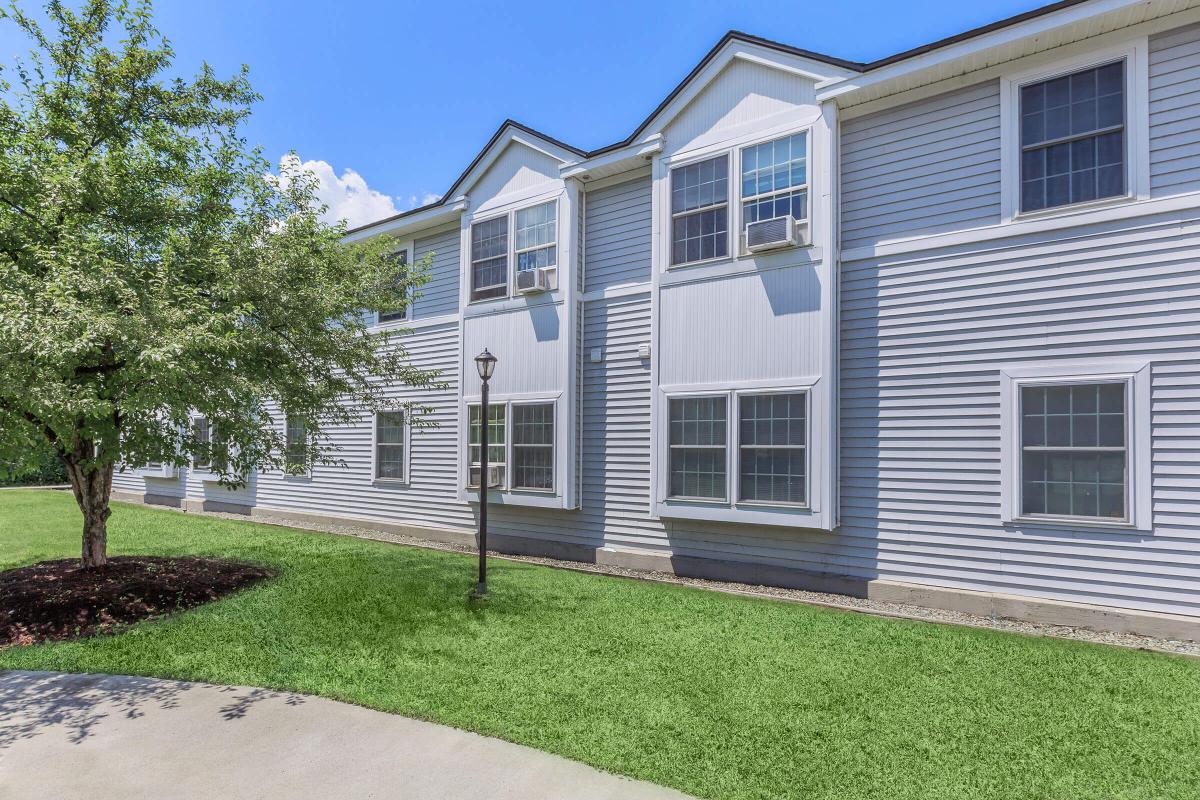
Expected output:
(716, 695)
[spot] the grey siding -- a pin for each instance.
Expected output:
(617, 250)
(923, 341)
(440, 295)
(1175, 111)
(924, 167)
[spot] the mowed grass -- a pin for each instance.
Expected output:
(716, 695)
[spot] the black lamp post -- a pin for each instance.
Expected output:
(485, 363)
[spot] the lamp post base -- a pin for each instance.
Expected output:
(480, 592)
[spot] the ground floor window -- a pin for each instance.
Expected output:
(296, 453)
(533, 446)
(1073, 450)
(765, 446)
(390, 446)
(497, 445)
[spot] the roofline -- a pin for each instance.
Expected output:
(731, 36)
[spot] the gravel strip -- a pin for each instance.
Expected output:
(875, 607)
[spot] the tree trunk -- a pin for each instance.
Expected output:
(93, 490)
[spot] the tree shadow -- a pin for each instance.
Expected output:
(32, 703)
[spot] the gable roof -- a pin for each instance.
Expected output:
(728, 38)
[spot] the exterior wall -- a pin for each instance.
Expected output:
(1175, 111)
(618, 235)
(924, 337)
(440, 295)
(925, 167)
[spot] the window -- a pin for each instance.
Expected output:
(1073, 138)
(400, 259)
(536, 231)
(296, 455)
(1074, 442)
(700, 211)
(772, 435)
(775, 180)
(208, 436)
(533, 446)
(497, 444)
(489, 259)
(201, 433)
(697, 448)
(389, 445)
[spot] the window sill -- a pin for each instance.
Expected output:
(1115, 526)
(513, 497)
(1072, 209)
(742, 513)
(390, 483)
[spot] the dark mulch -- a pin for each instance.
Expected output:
(59, 600)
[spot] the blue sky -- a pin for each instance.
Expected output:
(404, 94)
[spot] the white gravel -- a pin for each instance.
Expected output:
(875, 607)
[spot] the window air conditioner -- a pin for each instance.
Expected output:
(769, 234)
(534, 281)
(495, 477)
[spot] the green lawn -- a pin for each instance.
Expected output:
(719, 696)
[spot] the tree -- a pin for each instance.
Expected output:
(152, 268)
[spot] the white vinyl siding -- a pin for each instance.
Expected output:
(1174, 66)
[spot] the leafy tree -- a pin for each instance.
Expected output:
(151, 267)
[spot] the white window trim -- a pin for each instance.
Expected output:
(507, 494)
(734, 202)
(408, 248)
(733, 509)
(407, 444)
(1137, 128)
(1139, 463)
(560, 235)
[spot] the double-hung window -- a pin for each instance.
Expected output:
(489, 258)
(775, 179)
(389, 446)
(700, 211)
(767, 432)
(533, 446)
(697, 444)
(772, 444)
(400, 260)
(1074, 450)
(296, 446)
(497, 445)
(535, 236)
(211, 445)
(1073, 138)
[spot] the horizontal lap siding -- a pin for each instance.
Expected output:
(922, 342)
(440, 295)
(1175, 111)
(924, 167)
(432, 496)
(618, 235)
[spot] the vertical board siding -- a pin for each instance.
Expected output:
(618, 235)
(1175, 111)
(440, 295)
(928, 166)
(924, 337)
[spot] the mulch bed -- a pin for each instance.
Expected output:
(57, 600)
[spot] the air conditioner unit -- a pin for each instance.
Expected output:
(495, 477)
(535, 281)
(770, 234)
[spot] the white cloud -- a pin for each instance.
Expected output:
(423, 200)
(348, 196)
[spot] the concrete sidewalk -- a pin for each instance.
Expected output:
(103, 736)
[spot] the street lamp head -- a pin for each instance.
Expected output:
(485, 362)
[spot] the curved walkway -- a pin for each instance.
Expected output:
(106, 736)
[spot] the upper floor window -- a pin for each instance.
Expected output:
(1073, 138)
(400, 259)
(489, 258)
(536, 233)
(775, 180)
(700, 211)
